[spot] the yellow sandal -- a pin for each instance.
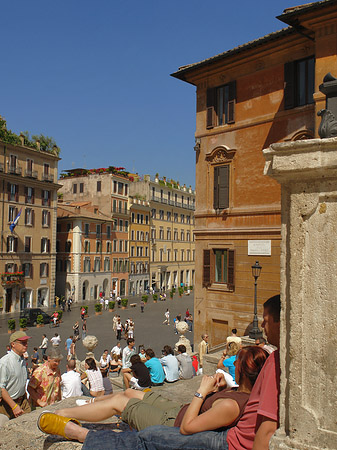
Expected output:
(51, 423)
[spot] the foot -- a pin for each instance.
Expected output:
(84, 402)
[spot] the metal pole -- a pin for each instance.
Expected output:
(255, 332)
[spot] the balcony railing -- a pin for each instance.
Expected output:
(15, 170)
(47, 177)
(11, 279)
(30, 173)
(156, 198)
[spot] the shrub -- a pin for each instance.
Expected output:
(23, 322)
(191, 288)
(171, 293)
(181, 291)
(86, 307)
(60, 313)
(11, 324)
(98, 307)
(155, 297)
(39, 319)
(145, 298)
(124, 302)
(111, 304)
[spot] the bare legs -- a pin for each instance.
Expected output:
(102, 408)
(126, 378)
(74, 431)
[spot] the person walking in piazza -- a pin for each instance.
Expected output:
(44, 387)
(106, 304)
(119, 329)
(13, 378)
(82, 313)
(84, 329)
(167, 317)
(114, 322)
(44, 344)
(142, 306)
(55, 340)
(69, 302)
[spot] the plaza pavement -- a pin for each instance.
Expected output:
(149, 328)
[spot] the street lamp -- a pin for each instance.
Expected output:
(255, 332)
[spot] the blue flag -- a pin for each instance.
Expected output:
(15, 221)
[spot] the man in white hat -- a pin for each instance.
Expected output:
(13, 377)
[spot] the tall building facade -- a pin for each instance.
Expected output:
(28, 185)
(171, 250)
(259, 93)
(108, 189)
(84, 252)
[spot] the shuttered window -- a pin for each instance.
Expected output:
(221, 187)
(299, 82)
(220, 107)
(219, 267)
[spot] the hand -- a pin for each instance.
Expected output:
(220, 381)
(207, 385)
(17, 411)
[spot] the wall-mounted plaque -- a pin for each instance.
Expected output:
(259, 248)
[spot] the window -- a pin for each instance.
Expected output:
(188, 255)
(98, 246)
(147, 219)
(168, 255)
(114, 205)
(67, 247)
(121, 225)
(120, 188)
(161, 255)
(221, 105)
(182, 255)
(182, 235)
(86, 247)
(44, 270)
(126, 189)
(27, 269)
(86, 267)
(29, 195)
(182, 218)
(45, 218)
(188, 220)
(115, 187)
(29, 217)
(57, 246)
(98, 231)
(97, 265)
(86, 230)
(125, 245)
(168, 234)
(29, 167)
(299, 82)
(45, 198)
(221, 187)
(132, 251)
(108, 247)
(28, 244)
(12, 244)
(74, 188)
(161, 214)
(126, 226)
(46, 169)
(176, 217)
(153, 213)
(218, 267)
(108, 231)
(175, 255)
(188, 236)
(45, 245)
(106, 264)
(175, 235)
(169, 216)
(12, 213)
(161, 233)
(68, 265)
(146, 251)
(115, 245)
(81, 188)
(146, 236)
(120, 245)
(99, 186)
(13, 192)
(133, 217)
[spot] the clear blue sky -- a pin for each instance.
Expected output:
(96, 75)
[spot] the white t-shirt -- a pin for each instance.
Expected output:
(55, 341)
(71, 384)
(116, 350)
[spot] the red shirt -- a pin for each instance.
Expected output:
(263, 402)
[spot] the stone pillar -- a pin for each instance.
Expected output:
(307, 172)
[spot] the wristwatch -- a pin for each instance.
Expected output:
(197, 394)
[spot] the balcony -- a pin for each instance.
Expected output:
(48, 177)
(12, 279)
(15, 170)
(31, 173)
(165, 201)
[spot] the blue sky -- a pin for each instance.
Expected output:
(96, 75)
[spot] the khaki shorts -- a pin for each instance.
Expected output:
(152, 410)
(7, 410)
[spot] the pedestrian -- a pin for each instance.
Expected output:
(203, 349)
(44, 386)
(119, 301)
(167, 317)
(84, 329)
(76, 329)
(106, 303)
(55, 340)
(67, 346)
(142, 305)
(82, 312)
(13, 378)
(69, 302)
(44, 344)
(119, 328)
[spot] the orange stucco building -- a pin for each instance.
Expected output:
(262, 92)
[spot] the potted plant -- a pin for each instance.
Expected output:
(60, 313)
(155, 298)
(23, 324)
(11, 325)
(191, 288)
(124, 303)
(39, 321)
(98, 309)
(171, 294)
(86, 307)
(111, 305)
(145, 298)
(181, 291)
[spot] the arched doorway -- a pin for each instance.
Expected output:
(26, 298)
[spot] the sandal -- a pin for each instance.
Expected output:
(51, 423)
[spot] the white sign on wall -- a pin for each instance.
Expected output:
(259, 248)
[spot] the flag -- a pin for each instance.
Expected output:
(15, 221)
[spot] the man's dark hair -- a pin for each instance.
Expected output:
(150, 353)
(273, 305)
(135, 359)
(129, 340)
(168, 350)
(181, 348)
(234, 330)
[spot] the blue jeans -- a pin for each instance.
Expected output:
(158, 437)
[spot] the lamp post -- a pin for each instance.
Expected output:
(255, 331)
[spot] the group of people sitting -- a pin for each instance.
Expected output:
(243, 417)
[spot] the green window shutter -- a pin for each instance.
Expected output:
(216, 189)
(210, 110)
(289, 85)
(231, 270)
(206, 279)
(223, 187)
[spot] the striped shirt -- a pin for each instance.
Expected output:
(13, 374)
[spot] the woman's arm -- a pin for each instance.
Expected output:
(222, 413)
(220, 364)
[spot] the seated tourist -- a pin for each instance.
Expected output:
(184, 363)
(139, 375)
(115, 365)
(227, 360)
(170, 365)
(155, 368)
(95, 379)
(254, 429)
(71, 381)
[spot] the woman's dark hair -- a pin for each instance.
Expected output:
(168, 350)
(91, 363)
(150, 353)
(250, 361)
(135, 359)
(181, 348)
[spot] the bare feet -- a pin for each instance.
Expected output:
(74, 431)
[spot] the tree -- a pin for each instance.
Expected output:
(47, 144)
